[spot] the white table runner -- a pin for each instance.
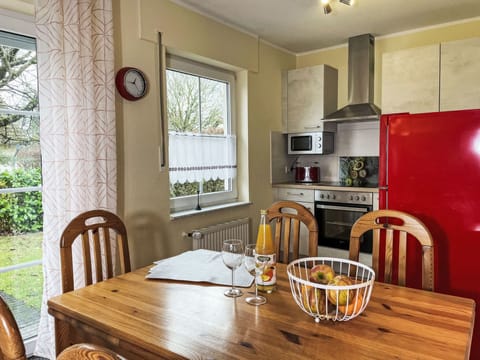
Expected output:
(199, 266)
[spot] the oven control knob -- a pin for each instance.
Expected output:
(321, 196)
(351, 197)
(328, 196)
(357, 197)
(364, 198)
(333, 197)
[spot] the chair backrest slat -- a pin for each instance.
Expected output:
(286, 234)
(375, 248)
(87, 270)
(385, 227)
(108, 254)
(402, 258)
(97, 255)
(94, 228)
(388, 255)
(296, 237)
(288, 217)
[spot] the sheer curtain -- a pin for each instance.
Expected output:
(77, 127)
(197, 157)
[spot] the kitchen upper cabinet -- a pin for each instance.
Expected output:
(311, 94)
(432, 78)
(460, 75)
(410, 80)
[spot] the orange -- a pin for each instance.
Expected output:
(353, 306)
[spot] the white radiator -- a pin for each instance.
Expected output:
(211, 237)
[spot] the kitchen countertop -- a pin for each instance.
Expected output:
(325, 186)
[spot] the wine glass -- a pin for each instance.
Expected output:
(252, 267)
(232, 255)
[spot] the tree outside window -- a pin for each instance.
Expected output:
(21, 215)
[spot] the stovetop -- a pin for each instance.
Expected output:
(336, 184)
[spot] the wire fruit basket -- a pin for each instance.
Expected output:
(330, 288)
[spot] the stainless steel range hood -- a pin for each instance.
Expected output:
(361, 59)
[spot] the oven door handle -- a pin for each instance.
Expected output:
(345, 208)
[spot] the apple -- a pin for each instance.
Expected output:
(313, 299)
(340, 297)
(321, 274)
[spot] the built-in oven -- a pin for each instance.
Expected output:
(336, 211)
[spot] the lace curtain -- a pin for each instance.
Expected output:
(195, 157)
(77, 127)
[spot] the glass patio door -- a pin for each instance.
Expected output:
(21, 215)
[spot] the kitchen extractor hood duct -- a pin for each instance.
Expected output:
(361, 60)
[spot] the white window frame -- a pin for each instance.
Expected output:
(21, 24)
(181, 64)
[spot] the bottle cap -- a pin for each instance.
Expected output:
(263, 212)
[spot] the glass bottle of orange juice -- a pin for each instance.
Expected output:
(265, 256)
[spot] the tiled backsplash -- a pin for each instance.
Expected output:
(357, 139)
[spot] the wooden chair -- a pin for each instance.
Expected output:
(11, 343)
(94, 234)
(88, 351)
(286, 216)
(383, 223)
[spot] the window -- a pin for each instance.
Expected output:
(21, 216)
(201, 134)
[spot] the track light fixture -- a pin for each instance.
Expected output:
(327, 8)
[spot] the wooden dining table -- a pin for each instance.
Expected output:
(161, 319)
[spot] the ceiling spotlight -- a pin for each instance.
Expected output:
(327, 9)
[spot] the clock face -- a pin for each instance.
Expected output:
(135, 83)
(131, 83)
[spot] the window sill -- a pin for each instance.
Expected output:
(182, 214)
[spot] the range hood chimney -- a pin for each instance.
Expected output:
(361, 59)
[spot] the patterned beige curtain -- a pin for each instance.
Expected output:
(77, 127)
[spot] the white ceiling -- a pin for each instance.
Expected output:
(300, 25)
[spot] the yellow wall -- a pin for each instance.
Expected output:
(143, 189)
(338, 56)
(20, 6)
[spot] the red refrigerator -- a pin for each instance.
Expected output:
(429, 166)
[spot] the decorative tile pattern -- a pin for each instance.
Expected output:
(359, 171)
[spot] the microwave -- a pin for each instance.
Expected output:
(319, 143)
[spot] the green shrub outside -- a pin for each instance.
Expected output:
(191, 188)
(21, 212)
